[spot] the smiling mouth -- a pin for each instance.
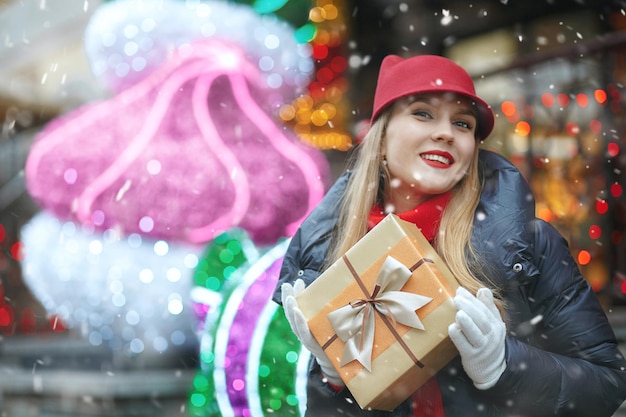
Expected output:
(436, 158)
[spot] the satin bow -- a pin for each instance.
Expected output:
(355, 322)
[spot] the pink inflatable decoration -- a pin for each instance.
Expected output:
(185, 154)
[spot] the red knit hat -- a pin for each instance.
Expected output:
(399, 77)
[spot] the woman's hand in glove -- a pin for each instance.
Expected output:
(301, 329)
(478, 333)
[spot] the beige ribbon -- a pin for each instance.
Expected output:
(354, 323)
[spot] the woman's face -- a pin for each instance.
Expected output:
(429, 145)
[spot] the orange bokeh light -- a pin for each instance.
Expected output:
(545, 214)
(508, 108)
(584, 257)
(522, 128)
(600, 96)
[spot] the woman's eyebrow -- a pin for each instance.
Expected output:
(466, 110)
(469, 112)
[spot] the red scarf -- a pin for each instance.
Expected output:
(426, 216)
(426, 401)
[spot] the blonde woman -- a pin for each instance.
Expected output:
(532, 338)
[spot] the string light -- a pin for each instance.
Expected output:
(319, 117)
(564, 178)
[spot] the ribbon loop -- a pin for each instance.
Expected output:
(356, 320)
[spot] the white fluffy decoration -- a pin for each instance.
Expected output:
(130, 294)
(127, 39)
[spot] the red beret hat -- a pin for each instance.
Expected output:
(399, 77)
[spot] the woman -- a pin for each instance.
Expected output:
(532, 338)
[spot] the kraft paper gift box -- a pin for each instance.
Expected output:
(381, 314)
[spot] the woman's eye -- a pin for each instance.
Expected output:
(421, 113)
(464, 124)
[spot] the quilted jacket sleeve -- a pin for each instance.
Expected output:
(306, 253)
(573, 366)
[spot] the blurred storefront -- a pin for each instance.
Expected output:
(557, 84)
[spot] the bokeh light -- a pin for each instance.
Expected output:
(547, 99)
(562, 100)
(595, 126)
(508, 108)
(582, 100)
(308, 114)
(602, 206)
(595, 231)
(584, 257)
(572, 128)
(613, 149)
(522, 128)
(600, 96)
(17, 251)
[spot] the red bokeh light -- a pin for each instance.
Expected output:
(602, 206)
(320, 51)
(582, 100)
(6, 316)
(56, 324)
(562, 99)
(317, 89)
(572, 129)
(325, 75)
(595, 231)
(339, 64)
(17, 251)
(547, 99)
(612, 149)
(595, 126)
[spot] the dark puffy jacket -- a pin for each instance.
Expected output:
(561, 353)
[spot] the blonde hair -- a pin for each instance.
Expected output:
(369, 181)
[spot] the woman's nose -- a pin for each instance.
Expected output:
(443, 132)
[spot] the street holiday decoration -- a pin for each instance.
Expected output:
(251, 363)
(133, 187)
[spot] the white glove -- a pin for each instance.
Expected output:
(299, 325)
(478, 334)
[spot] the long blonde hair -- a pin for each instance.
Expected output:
(367, 184)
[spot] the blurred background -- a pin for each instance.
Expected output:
(130, 240)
